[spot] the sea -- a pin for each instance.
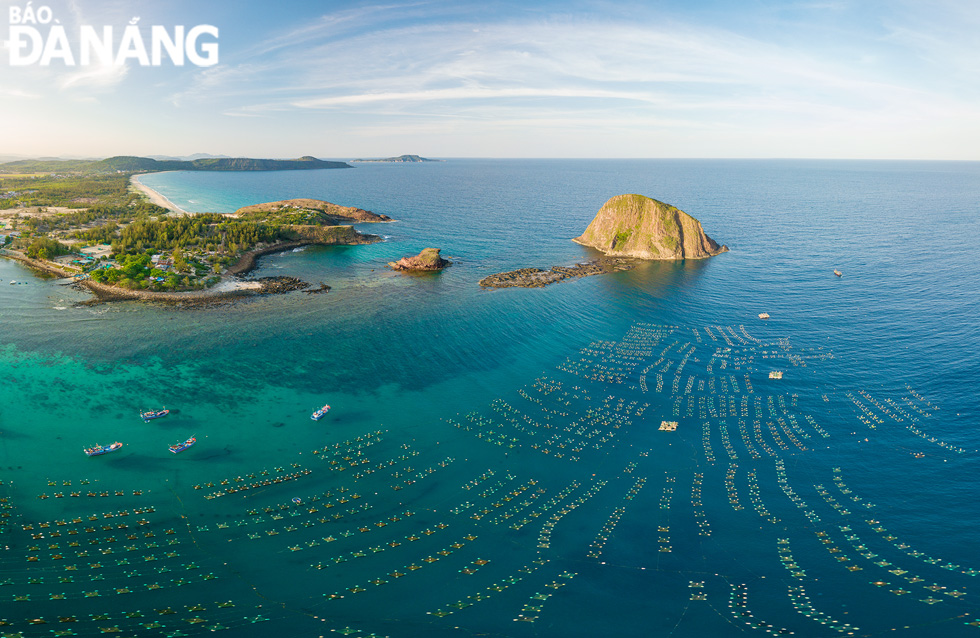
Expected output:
(631, 454)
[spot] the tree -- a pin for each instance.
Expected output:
(45, 248)
(180, 264)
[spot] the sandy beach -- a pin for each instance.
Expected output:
(156, 197)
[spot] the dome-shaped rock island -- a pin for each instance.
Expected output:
(641, 227)
(626, 228)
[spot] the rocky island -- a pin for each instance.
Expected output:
(626, 228)
(426, 261)
(641, 227)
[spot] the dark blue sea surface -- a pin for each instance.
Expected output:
(494, 463)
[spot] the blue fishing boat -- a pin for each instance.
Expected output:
(153, 414)
(319, 414)
(180, 447)
(97, 450)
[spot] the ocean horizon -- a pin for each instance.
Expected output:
(635, 453)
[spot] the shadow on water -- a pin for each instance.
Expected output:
(213, 454)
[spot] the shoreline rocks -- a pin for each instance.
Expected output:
(538, 278)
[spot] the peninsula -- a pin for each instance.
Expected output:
(627, 228)
(133, 164)
(99, 230)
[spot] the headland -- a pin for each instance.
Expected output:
(122, 240)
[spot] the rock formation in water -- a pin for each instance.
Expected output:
(641, 227)
(427, 260)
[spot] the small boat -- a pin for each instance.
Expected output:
(319, 414)
(838, 273)
(153, 414)
(763, 315)
(97, 450)
(180, 447)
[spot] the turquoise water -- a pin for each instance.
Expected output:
(516, 431)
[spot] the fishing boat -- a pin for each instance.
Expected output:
(763, 315)
(97, 450)
(153, 414)
(838, 273)
(180, 447)
(319, 414)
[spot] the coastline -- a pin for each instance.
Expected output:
(155, 196)
(230, 287)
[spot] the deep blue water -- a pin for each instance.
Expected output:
(520, 427)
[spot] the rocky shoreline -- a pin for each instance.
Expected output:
(105, 293)
(539, 278)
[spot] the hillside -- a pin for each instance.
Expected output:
(133, 164)
(641, 227)
(307, 211)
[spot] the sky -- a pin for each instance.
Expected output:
(895, 79)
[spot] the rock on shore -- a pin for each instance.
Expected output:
(427, 260)
(641, 227)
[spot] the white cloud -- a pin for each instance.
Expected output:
(94, 77)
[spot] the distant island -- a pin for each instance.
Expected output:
(644, 228)
(400, 158)
(627, 228)
(134, 164)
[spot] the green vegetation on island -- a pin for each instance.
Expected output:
(133, 164)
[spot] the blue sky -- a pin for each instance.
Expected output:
(752, 78)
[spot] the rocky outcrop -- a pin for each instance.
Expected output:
(427, 260)
(641, 227)
(344, 214)
(538, 278)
